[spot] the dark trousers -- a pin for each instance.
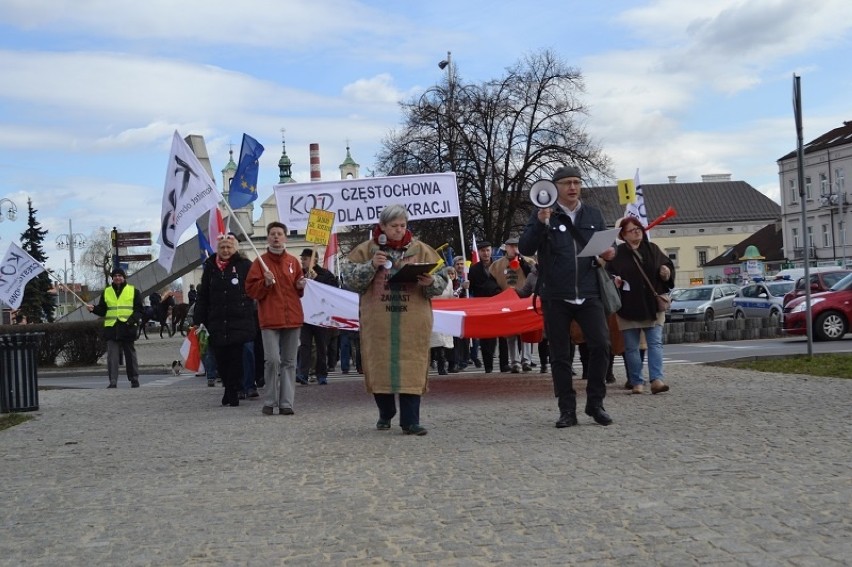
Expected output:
(487, 346)
(590, 316)
(461, 352)
(409, 408)
(309, 334)
(503, 347)
(229, 365)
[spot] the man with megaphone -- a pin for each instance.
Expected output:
(568, 287)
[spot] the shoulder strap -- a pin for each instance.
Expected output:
(644, 275)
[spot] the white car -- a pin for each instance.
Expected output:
(762, 299)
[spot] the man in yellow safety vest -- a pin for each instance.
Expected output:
(121, 307)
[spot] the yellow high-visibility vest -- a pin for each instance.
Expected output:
(119, 308)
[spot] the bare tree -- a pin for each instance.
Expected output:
(499, 137)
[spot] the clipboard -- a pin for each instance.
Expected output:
(409, 272)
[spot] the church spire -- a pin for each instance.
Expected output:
(284, 164)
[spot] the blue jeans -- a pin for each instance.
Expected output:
(654, 338)
(209, 362)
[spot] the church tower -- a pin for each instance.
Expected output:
(349, 169)
(284, 164)
(244, 214)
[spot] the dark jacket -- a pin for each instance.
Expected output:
(223, 306)
(638, 302)
(482, 283)
(324, 276)
(562, 274)
(122, 331)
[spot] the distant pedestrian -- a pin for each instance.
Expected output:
(121, 307)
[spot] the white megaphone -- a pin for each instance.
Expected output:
(543, 193)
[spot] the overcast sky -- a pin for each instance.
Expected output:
(92, 91)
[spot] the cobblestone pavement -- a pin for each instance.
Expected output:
(729, 468)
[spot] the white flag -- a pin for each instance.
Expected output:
(17, 269)
(188, 193)
(637, 208)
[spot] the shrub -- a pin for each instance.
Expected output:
(76, 343)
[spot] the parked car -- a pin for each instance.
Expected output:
(702, 302)
(761, 299)
(831, 312)
(820, 281)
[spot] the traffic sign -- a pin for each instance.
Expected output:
(135, 258)
(134, 235)
(125, 242)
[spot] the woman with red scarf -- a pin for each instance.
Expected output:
(395, 318)
(227, 312)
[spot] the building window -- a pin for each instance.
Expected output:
(840, 180)
(826, 241)
(808, 187)
(823, 184)
(672, 254)
(793, 193)
(810, 237)
(796, 243)
(702, 257)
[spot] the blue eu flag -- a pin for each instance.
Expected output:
(244, 184)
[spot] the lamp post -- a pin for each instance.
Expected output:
(70, 241)
(8, 209)
(448, 65)
(64, 271)
(837, 200)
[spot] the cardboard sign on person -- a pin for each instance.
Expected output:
(320, 223)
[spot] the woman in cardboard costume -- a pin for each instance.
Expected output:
(396, 318)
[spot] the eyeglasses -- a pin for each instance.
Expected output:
(636, 229)
(569, 182)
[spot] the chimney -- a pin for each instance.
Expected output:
(715, 177)
(316, 174)
(672, 179)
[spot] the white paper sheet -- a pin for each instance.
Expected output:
(599, 242)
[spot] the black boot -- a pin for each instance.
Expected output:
(566, 419)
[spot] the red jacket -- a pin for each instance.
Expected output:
(278, 306)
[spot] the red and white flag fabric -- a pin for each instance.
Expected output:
(474, 254)
(502, 315)
(215, 226)
(188, 193)
(16, 270)
(329, 261)
(190, 350)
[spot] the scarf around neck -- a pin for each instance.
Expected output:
(393, 244)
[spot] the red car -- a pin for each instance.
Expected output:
(820, 281)
(831, 311)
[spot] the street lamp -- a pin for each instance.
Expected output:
(70, 241)
(10, 211)
(448, 65)
(836, 199)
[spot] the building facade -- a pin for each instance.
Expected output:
(815, 214)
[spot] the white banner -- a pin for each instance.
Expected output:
(17, 269)
(359, 201)
(188, 193)
(328, 306)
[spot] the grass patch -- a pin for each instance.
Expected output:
(12, 419)
(833, 365)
